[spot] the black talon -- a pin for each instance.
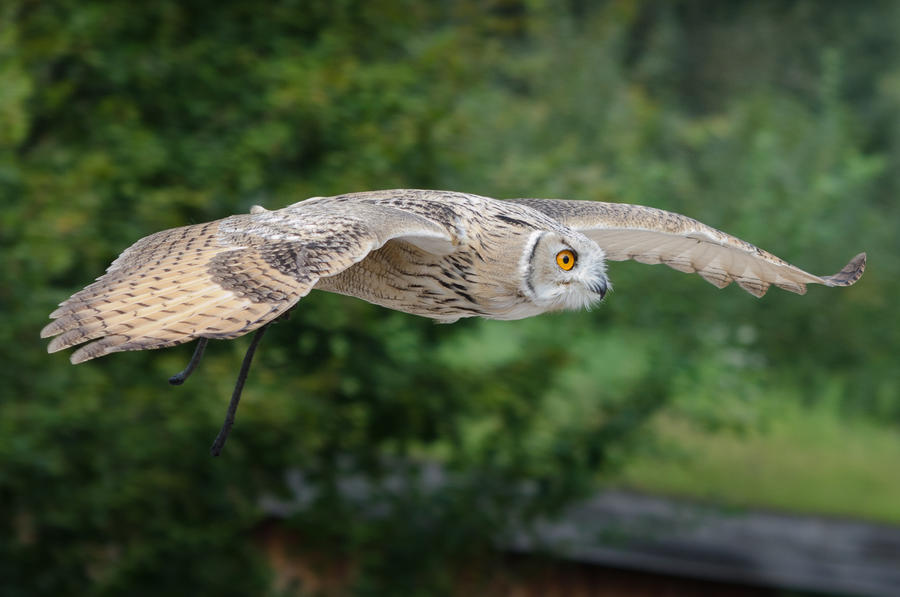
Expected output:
(219, 443)
(179, 378)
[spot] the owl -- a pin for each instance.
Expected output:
(437, 254)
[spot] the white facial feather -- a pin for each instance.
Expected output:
(549, 286)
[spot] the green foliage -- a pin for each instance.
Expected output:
(774, 121)
(792, 458)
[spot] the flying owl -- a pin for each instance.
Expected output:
(438, 254)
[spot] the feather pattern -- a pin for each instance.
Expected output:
(652, 236)
(438, 254)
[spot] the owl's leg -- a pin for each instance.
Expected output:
(219, 442)
(180, 377)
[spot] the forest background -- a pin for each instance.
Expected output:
(776, 121)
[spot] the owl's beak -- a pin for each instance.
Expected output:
(598, 286)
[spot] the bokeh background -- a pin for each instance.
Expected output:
(776, 121)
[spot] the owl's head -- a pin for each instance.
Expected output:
(563, 271)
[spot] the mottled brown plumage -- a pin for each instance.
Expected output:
(437, 254)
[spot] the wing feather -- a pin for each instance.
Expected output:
(652, 236)
(225, 278)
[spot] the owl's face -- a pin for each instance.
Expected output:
(563, 271)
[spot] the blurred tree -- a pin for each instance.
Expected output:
(775, 121)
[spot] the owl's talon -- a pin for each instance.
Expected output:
(219, 442)
(180, 377)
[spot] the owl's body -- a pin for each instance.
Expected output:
(480, 273)
(442, 255)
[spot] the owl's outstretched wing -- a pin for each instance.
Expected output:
(225, 278)
(650, 235)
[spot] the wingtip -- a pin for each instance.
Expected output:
(49, 330)
(93, 350)
(851, 272)
(59, 311)
(78, 357)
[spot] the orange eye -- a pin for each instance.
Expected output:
(565, 259)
